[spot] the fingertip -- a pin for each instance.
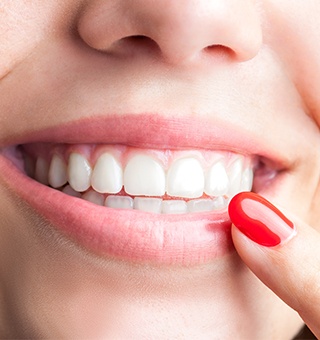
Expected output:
(259, 220)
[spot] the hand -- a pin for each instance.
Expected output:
(283, 254)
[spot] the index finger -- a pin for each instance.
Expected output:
(283, 254)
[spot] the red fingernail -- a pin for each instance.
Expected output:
(259, 220)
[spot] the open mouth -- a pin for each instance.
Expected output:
(138, 198)
(156, 181)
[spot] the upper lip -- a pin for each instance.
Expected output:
(157, 132)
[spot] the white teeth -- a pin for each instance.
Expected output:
(197, 185)
(200, 205)
(217, 181)
(235, 177)
(185, 178)
(107, 175)
(219, 203)
(247, 180)
(119, 202)
(144, 176)
(93, 197)
(41, 171)
(57, 172)
(147, 204)
(158, 206)
(79, 172)
(174, 207)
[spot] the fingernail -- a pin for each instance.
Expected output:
(259, 220)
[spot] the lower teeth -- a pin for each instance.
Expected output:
(151, 204)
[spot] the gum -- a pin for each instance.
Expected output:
(123, 153)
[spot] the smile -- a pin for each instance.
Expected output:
(156, 181)
(135, 198)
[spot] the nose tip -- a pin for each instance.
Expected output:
(231, 27)
(183, 30)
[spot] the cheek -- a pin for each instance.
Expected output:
(43, 276)
(10, 226)
(24, 24)
(293, 33)
(17, 34)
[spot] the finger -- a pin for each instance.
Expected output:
(284, 255)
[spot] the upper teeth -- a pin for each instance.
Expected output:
(185, 175)
(144, 176)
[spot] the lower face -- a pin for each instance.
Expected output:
(114, 208)
(106, 236)
(57, 286)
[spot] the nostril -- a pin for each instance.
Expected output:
(135, 44)
(221, 50)
(139, 38)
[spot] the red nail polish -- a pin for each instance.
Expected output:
(259, 220)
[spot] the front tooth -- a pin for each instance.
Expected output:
(144, 176)
(235, 177)
(79, 172)
(174, 207)
(57, 172)
(217, 181)
(93, 197)
(107, 175)
(185, 178)
(41, 171)
(247, 180)
(147, 204)
(119, 202)
(200, 205)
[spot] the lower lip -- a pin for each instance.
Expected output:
(135, 236)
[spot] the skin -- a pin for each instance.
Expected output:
(261, 72)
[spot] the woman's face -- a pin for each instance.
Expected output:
(180, 102)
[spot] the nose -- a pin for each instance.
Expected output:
(183, 30)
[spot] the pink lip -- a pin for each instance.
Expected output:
(132, 235)
(155, 131)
